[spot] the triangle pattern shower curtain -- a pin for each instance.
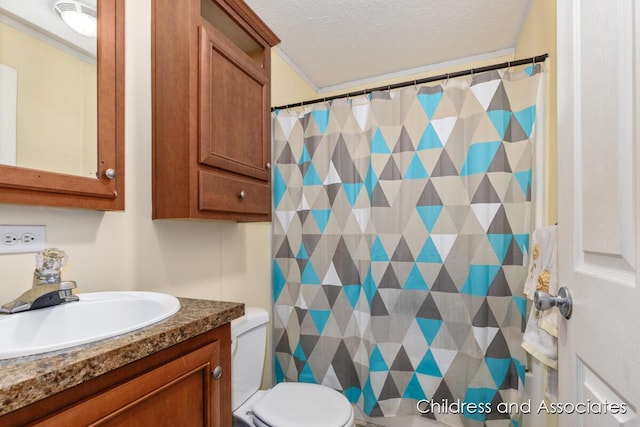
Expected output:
(400, 237)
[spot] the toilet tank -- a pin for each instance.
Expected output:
(248, 347)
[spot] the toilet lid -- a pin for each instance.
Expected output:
(303, 404)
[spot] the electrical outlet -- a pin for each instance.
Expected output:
(18, 239)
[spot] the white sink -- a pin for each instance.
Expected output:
(96, 316)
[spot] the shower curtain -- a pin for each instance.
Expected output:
(400, 237)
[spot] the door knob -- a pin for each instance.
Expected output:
(544, 301)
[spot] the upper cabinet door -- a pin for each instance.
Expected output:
(234, 95)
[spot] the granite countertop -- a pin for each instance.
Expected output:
(25, 380)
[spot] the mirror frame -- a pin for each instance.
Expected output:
(36, 187)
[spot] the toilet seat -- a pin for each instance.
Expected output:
(302, 404)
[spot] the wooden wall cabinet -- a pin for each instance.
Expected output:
(179, 386)
(211, 111)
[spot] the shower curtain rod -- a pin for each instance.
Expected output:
(508, 64)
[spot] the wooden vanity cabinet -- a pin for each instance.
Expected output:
(211, 111)
(178, 386)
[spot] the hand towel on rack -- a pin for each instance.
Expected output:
(543, 273)
(540, 336)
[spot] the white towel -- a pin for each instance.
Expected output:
(540, 335)
(543, 273)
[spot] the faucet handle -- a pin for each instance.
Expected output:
(68, 285)
(49, 262)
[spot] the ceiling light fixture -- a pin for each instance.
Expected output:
(78, 16)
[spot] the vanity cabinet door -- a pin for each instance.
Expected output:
(183, 392)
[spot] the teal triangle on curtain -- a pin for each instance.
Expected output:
(322, 119)
(353, 294)
(521, 368)
(353, 394)
(500, 244)
(498, 369)
(376, 361)
(369, 397)
(279, 187)
(523, 242)
(311, 177)
(479, 279)
(500, 120)
(279, 371)
(521, 303)
(479, 157)
(429, 139)
(429, 328)
(320, 318)
(299, 353)
(416, 169)
(279, 281)
(352, 191)
(305, 157)
(379, 144)
(378, 253)
(302, 253)
(429, 366)
(414, 389)
(430, 102)
(322, 217)
(524, 179)
(369, 286)
(526, 118)
(429, 253)
(415, 280)
(306, 375)
(481, 397)
(370, 180)
(309, 276)
(429, 215)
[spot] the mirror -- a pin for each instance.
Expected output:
(48, 82)
(62, 130)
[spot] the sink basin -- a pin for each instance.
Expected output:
(96, 316)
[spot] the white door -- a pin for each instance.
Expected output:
(598, 210)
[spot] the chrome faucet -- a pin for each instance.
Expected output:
(48, 288)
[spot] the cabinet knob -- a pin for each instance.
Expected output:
(110, 173)
(268, 165)
(242, 195)
(217, 372)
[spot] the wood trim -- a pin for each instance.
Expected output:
(247, 19)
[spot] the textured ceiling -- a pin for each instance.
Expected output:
(339, 43)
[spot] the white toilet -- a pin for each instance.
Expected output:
(285, 405)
